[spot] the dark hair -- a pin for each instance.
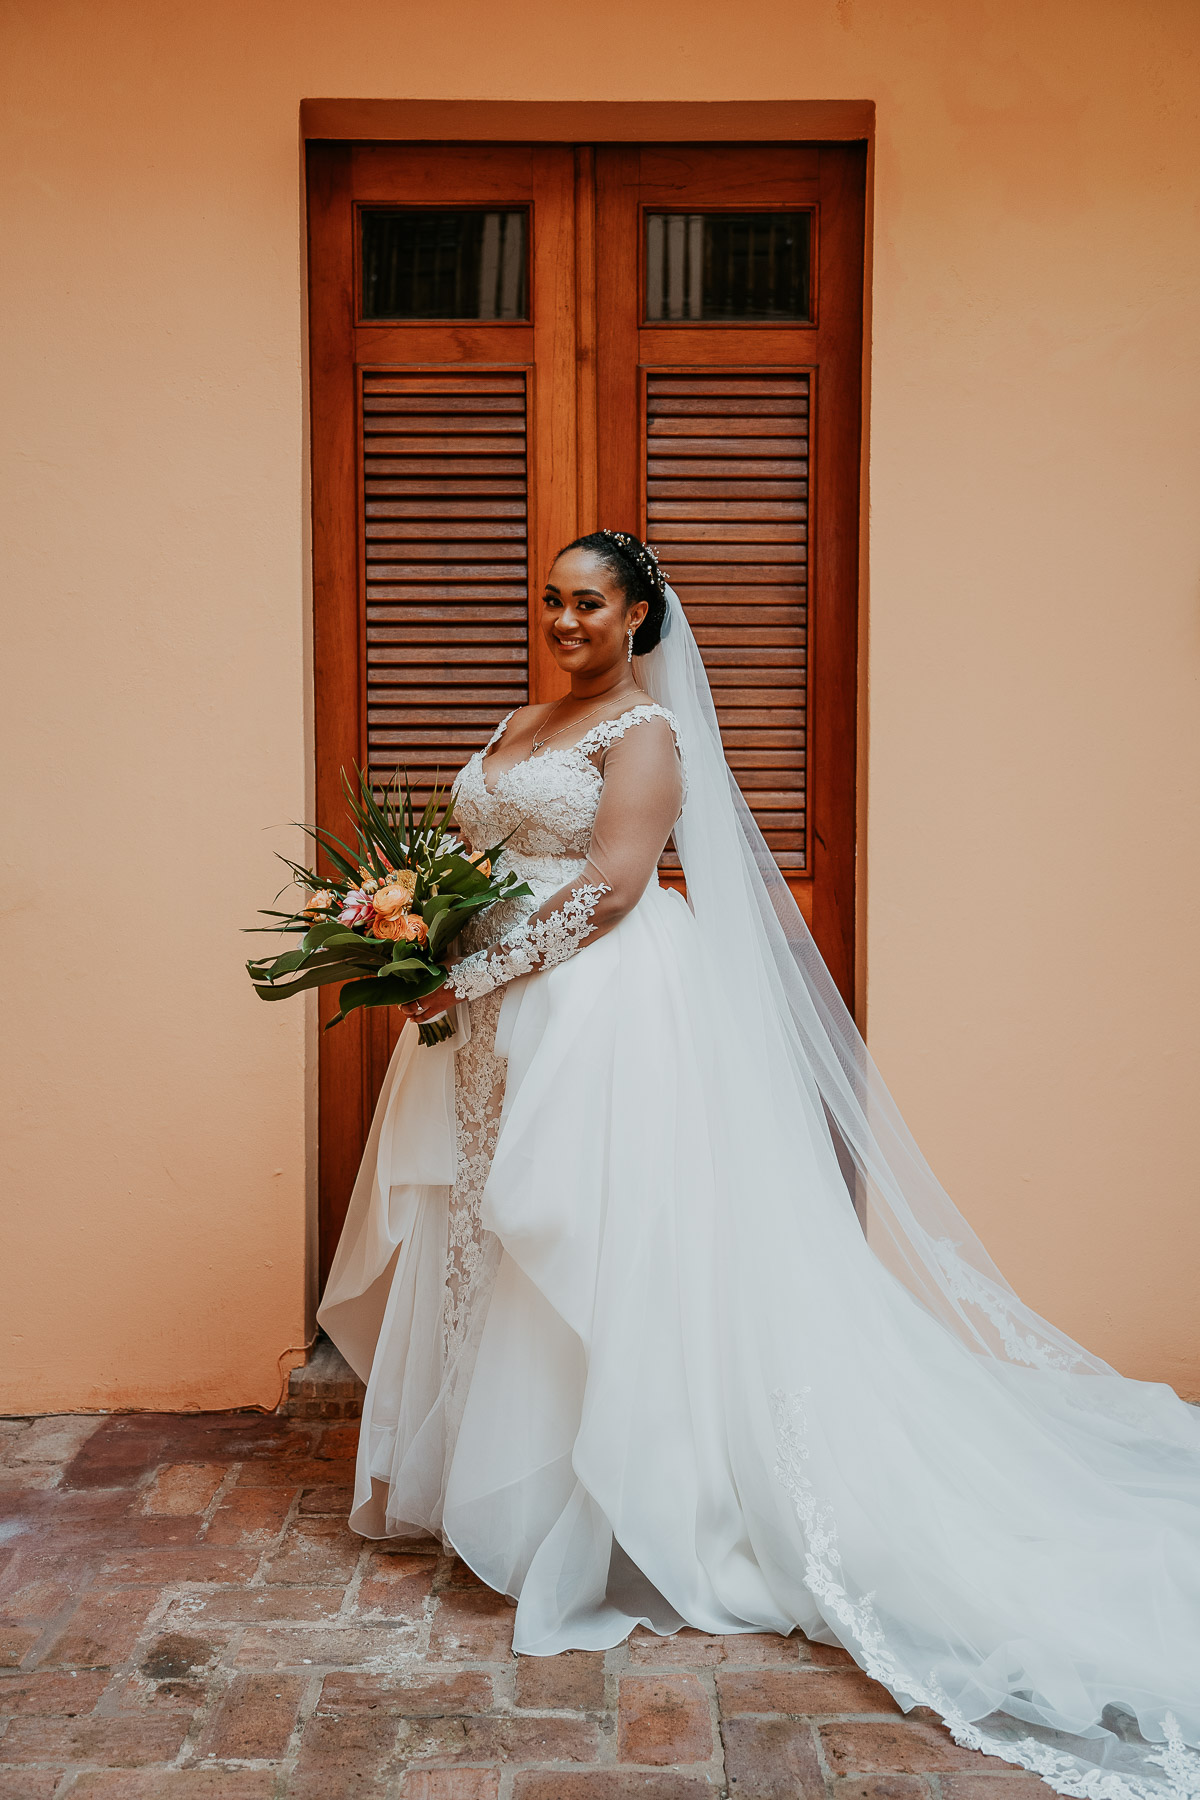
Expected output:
(635, 567)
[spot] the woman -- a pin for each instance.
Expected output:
(664, 1317)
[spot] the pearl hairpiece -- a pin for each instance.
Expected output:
(644, 555)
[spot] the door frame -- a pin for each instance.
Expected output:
(580, 124)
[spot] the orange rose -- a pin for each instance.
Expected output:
(319, 904)
(408, 926)
(396, 893)
(389, 928)
(482, 863)
(415, 928)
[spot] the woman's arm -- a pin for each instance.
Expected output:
(640, 802)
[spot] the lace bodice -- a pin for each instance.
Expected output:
(547, 803)
(585, 836)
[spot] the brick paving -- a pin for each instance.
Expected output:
(184, 1614)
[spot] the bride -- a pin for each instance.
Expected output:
(665, 1320)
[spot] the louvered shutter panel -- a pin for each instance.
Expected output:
(445, 499)
(727, 511)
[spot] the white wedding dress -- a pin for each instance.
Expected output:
(663, 1318)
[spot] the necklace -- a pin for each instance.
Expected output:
(549, 736)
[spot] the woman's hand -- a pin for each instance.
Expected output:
(430, 1005)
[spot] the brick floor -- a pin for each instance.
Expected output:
(184, 1614)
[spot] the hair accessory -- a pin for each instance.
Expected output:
(643, 555)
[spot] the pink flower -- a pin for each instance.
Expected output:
(356, 908)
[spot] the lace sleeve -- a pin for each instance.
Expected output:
(640, 802)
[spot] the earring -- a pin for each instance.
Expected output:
(629, 655)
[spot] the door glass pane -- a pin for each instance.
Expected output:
(749, 267)
(428, 263)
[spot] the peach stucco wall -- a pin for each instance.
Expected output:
(1032, 845)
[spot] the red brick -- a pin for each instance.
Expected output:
(255, 1718)
(208, 1437)
(884, 1787)
(41, 1599)
(473, 1622)
(759, 1649)
(109, 1463)
(16, 1641)
(183, 1488)
(807, 1691)
(174, 1655)
(76, 1539)
(297, 1472)
(343, 1757)
(65, 1509)
(338, 1442)
(391, 1566)
(55, 1437)
(313, 1552)
(249, 1515)
(29, 1784)
(256, 1606)
(35, 1581)
(995, 1783)
(130, 1741)
(190, 1562)
(771, 1759)
(331, 1501)
(663, 1719)
(459, 1575)
(451, 1784)
(25, 1478)
(825, 1656)
(498, 1738)
(913, 1746)
(227, 1438)
(686, 1649)
(573, 1681)
(103, 1628)
(412, 1697)
(176, 1784)
(395, 1587)
(49, 1695)
(330, 1647)
(134, 1693)
(609, 1784)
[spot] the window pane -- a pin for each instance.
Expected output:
(748, 267)
(425, 264)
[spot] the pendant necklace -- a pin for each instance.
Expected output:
(538, 742)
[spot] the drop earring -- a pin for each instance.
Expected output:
(629, 653)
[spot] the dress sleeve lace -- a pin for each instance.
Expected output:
(641, 800)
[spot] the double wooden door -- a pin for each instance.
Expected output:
(514, 344)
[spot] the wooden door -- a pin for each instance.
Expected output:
(442, 331)
(729, 355)
(513, 344)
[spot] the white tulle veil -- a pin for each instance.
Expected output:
(1071, 1723)
(731, 875)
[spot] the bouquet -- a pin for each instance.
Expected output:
(383, 923)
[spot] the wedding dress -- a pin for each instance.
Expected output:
(664, 1319)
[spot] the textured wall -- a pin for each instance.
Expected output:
(1032, 845)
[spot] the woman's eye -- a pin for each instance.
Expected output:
(550, 600)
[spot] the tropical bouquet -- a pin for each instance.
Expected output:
(382, 924)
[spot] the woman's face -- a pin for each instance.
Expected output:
(584, 615)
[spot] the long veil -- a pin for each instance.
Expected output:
(1083, 1728)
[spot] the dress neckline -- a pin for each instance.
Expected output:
(563, 750)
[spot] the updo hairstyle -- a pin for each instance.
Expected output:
(635, 567)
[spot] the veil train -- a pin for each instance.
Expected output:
(1119, 1476)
